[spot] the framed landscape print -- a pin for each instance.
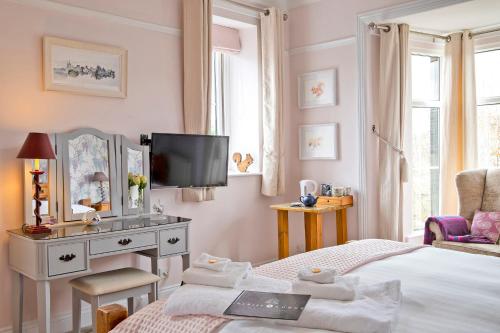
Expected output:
(318, 142)
(84, 68)
(317, 89)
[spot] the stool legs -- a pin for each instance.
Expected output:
(77, 311)
(94, 304)
(130, 303)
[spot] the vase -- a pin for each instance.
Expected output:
(133, 196)
(140, 202)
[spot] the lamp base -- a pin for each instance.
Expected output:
(36, 229)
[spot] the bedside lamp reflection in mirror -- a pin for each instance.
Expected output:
(101, 177)
(37, 146)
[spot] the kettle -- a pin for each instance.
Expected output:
(308, 186)
(308, 200)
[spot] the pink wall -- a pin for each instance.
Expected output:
(238, 224)
(320, 22)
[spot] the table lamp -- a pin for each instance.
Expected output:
(37, 146)
(101, 177)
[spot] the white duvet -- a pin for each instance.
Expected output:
(443, 291)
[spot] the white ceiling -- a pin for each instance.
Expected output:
(472, 15)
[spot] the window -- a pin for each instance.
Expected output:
(488, 108)
(425, 120)
(235, 108)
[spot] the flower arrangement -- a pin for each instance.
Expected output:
(137, 180)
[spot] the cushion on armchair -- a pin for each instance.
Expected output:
(486, 224)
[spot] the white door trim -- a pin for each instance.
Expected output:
(363, 20)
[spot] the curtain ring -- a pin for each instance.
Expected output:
(448, 38)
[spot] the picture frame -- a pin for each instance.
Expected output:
(317, 89)
(84, 68)
(318, 142)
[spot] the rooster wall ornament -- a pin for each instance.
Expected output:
(242, 164)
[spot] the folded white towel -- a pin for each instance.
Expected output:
(234, 272)
(374, 311)
(344, 288)
(208, 261)
(318, 274)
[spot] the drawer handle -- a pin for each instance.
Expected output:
(173, 240)
(125, 241)
(67, 257)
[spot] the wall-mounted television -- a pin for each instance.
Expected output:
(185, 160)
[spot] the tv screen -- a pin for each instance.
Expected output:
(184, 160)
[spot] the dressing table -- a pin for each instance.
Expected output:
(126, 227)
(67, 251)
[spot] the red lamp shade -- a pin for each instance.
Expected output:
(37, 146)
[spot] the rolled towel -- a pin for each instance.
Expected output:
(318, 274)
(344, 288)
(211, 262)
(234, 272)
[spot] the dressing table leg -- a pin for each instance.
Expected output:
(43, 306)
(155, 271)
(185, 261)
(17, 301)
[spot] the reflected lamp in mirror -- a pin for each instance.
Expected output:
(37, 147)
(101, 178)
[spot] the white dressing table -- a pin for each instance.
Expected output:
(67, 252)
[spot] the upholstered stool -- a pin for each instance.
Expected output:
(106, 287)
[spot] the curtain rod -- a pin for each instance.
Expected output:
(373, 26)
(255, 8)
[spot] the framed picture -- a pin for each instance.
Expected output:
(317, 89)
(84, 68)
(318, 142)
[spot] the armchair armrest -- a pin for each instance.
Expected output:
(434, 227)
(439, 227)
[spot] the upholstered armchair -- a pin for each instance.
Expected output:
(477, 189)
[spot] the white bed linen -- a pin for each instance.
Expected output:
(443, 291)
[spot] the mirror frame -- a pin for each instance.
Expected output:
(29, 218)
(123, 144)
(64, 191)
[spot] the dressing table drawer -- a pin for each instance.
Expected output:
(66, 258)
(173, 241)
(123, 242)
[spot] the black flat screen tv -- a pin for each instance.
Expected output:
(185, 160)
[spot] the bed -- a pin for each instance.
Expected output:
(443, 290)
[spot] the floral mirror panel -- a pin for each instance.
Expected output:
(89, 176)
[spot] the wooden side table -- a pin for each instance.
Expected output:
(313, 223)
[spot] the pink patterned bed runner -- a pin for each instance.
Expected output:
(344, 258)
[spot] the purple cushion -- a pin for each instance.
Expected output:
(486, 224)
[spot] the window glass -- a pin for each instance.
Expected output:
(425, 77)
(488, 74)
(425, 165)
(488, 135)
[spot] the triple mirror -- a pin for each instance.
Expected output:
(94, 171)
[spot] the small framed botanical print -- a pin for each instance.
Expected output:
(318, 142)
(84, 68)
(317, 89)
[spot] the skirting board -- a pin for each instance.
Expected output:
(63, 323)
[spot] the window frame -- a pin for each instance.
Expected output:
(487, 43)
(421, 47)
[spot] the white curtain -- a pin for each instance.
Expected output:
(273, 164)
(458, 120)
(197, 32)
(394, 90)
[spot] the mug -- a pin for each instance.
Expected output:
(326, 190)
(347, 190)
(338, 191)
